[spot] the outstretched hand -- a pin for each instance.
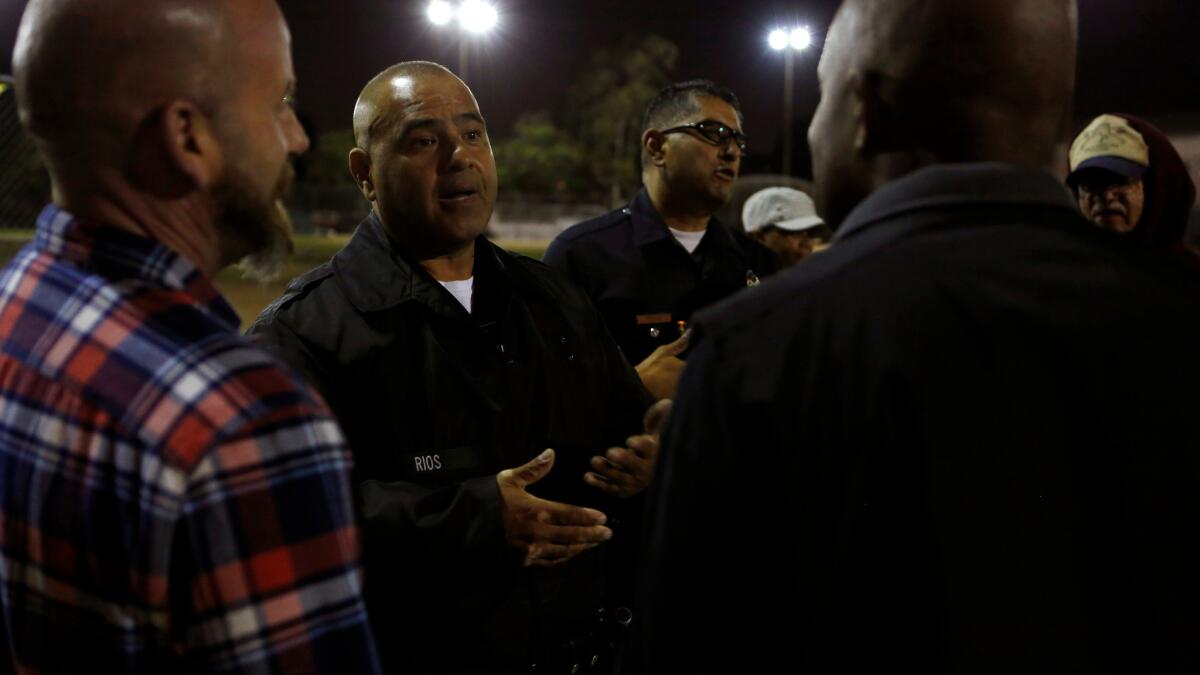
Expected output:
(624, 472)
(660, 372)
(543, 532)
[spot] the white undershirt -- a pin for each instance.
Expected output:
(461, 290)
(690, 240)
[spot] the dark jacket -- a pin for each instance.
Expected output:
(961, 440)
(644, 281)
(435, 402)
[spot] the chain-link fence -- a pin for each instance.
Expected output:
(323, 209)
(24, 184)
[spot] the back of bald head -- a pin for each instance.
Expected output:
(970, 80)
(386, 92)
(88, 72)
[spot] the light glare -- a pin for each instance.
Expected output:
(477, 16)
(440, 12)
(778, 39)
(801, 39)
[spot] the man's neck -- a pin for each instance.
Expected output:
(679, 214)
(455, 266)
(184, 225)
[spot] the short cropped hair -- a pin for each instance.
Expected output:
(677, 101)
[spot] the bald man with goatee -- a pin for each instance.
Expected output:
(955, 443)
(172, 499)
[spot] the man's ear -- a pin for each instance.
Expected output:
(191, 145)
(878, 129)
(360, 169)
(653, 141)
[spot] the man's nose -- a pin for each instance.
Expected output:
(457, 155)
(298, 141)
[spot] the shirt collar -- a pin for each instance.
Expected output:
(120, 254)
(371, 275)
(649, 226)
(955, 185)
(375, 277)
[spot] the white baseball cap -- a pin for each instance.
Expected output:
(782, 207)
(1112, 144)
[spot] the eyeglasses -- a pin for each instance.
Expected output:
(1098, 182)
(714, 132)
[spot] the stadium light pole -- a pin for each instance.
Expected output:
(789, 42)
(473, 17)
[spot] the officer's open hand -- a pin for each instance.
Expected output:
(660, 372)
(624, 472)
(544, 532)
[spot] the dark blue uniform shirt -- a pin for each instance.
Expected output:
(644, 282)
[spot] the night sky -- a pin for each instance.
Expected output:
(1137, 56)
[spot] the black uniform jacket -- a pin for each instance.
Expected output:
(435, 402)
(961, 440)
(644, 281)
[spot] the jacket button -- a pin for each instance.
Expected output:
(626, 211)
(654, 332)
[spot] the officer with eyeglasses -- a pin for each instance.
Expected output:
(650, 265)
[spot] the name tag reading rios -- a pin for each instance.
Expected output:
(425, 463)
(467, 458)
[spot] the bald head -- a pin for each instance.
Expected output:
(423, 159)
(88, 72)
(970, 81)
(909, 83)
(169, 118)
(386, 96)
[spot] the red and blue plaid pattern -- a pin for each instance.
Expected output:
(171, 498)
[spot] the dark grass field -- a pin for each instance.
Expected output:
(250, 297)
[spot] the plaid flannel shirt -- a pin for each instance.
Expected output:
(171, 498)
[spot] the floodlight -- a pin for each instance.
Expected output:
(800, 39)
(440, 12)
(778, 39)
(477, 16)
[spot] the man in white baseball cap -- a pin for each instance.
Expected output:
(785, 220)
(1129, 178)
(1108, 159)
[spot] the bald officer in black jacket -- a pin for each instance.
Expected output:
(452, 364)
